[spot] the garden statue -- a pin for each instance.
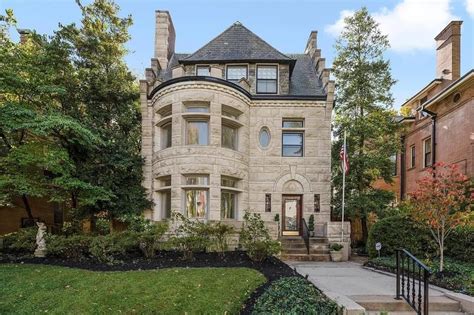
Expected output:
(40, 241)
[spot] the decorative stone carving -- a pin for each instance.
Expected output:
(40, 241)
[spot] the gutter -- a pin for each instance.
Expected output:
(449, 89)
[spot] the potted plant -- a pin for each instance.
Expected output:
(311, 225)
(335, 250)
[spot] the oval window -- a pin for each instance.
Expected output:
(264, 137)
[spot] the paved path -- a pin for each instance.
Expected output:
(349, 278)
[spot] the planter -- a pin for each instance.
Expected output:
(336, 256)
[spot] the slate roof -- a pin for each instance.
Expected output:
(304, 79)
(235, 44)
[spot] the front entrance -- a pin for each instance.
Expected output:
(291, 214)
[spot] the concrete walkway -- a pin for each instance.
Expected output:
(351, 285)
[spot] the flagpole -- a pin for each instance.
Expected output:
(343, 187)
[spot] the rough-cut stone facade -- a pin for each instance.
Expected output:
(259, 171)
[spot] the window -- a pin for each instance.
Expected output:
(293, 123)
(235, 73)
(264, 137)
(165, 181)
(292, 144)
(203, 71)
(196, 203)
(412, 157)
(230, 112)
(267, 79)
(165, 198)
(394, 160)
(317, 203)
(197, 132)
(228, 204)
(165, 111)
(197, 108)
(228, 182)
(166, 135)
(427, 157)
(197, 180)
(229, 137)
(268, 202)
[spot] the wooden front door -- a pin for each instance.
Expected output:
(291, 214)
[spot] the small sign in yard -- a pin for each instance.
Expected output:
(378, 247)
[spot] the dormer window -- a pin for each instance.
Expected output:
(267, 82)
(235, 73)
(203, 71)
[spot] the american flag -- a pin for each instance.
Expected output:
(344, 159)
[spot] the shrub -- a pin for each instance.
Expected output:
(75, 247)
(254, 237)
(219, 235)
(311, 223)
(102, 226)
(110, 248)
(459, 244)
(136, 223)
(400, 232)
(336, 247)
(294, 295)
(22, 242)
(150, 240)
(190, 236)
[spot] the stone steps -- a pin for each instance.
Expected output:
(383, 303)
(305, 257)
(294, 249)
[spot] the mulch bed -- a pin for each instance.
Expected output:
(272, 268)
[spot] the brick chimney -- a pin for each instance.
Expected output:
(448, 52)
(24, 34)
(164, 38)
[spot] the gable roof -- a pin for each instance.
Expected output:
(237, 43)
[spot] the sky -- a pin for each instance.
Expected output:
(285, 24)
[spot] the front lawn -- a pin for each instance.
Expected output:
(29, 289)
(457, 275)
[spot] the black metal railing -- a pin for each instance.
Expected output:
(305, 234)
(413, 281)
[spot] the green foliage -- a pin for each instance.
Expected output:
(294, 295)
(219, 234)
(102, 226)
(254, 237)
(400, 232)
(22, 242)
(311, 223)
(136, 222)
(336, 247)
(363, 110)
(150, 240)
(459, 244)
(190, 236)
(110, 248)
(74, 247)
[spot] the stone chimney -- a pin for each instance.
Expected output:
(24, 34)
(164, 38)
(448, 52)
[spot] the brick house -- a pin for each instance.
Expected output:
(439, 126)
(238, 125)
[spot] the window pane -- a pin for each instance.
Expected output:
(196, 203)
(413, 157)
(228, 204)
(197, 109)
(268, 202)
(166, 136)
(266, 86)
(229, 137)
(293, 124)
(264, 137)
(235, 73)
(292, 139)
(197, 180)
(165, 181)
(197, 132)
(166, 203)
(293, 151)
(228, 182)
(203, 71)
(267, 72)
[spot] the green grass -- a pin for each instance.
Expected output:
(32, 289)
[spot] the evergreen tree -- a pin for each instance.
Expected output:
(363, 109)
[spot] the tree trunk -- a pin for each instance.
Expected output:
(27, 207)
(365, 230)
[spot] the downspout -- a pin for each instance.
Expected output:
(402, 169)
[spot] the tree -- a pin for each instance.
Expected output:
(363, 110)
(34, 161)
(442, 202)
(107, 104)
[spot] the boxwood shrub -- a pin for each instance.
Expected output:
(400, 232)
(459, 244)
(294, 295)
(22, 242)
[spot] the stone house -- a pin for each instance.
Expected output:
(235, 126)
(439, 119)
